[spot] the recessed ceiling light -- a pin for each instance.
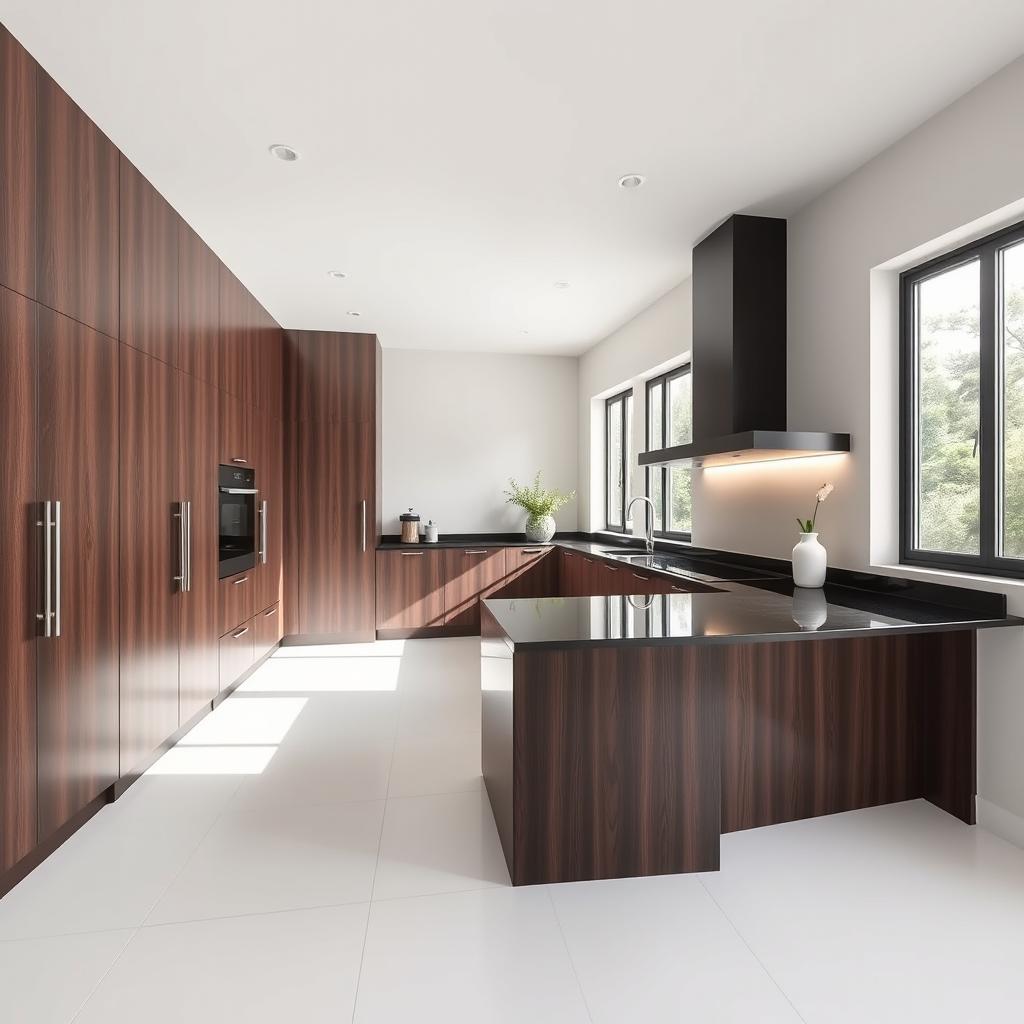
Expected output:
(338, 275)
(354, 312)
(283, 152)
(631, 181)
(561, 285)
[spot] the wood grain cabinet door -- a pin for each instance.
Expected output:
(235, 600)
(198, 306)
(266, 630)
(236, 436)
(469, 574)
(149, 268)
(410, 589)
(20, 544)
(78, 466)
(268, 574)
(199, 637)
(18, 186)
(150, 556)
(237, 653)
(76, 212)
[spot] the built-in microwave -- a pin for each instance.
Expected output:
(237, 517)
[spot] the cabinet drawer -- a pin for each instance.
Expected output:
(236, 654)
(410, 589)
(235, 600)
(267, 630)
(470, 573)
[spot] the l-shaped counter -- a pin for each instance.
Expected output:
(624, 733)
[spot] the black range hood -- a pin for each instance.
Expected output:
(739, 353)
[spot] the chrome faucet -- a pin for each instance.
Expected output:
(649, 539)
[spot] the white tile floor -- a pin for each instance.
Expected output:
(320, 849)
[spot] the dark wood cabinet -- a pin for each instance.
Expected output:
(270, 368)
(530, 571)
(236, 434)
(198, 306)
(150, 557)
(77, 699)
(20, 543)
(18, 158)
(235, 601)
(76, 212)
(331, 376)
(237, 354)
(237, 653)
(199, 636)
(469, 574)
(267, 631)
(269, 571)
(410, 589)
(149, 268)
(332, 485)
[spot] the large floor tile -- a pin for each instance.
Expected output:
(441, 843)
(45, 981)
(890, 914)
(299, 966)
(448, 762)
(659, 949)
(478, 958)
(367, 674)
(112, 871)
(279, 858)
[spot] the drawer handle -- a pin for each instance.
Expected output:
(412, 554)
(611, 568)
(241, 462)
(237, 583)
(475, 551)
(241, 632)
(530, 551)
(682, 590)
(269, 612)
(637, 576)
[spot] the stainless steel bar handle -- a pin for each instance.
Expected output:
(180, 516)
(270, 611)
(188, 545)
(241, 632)
(46, 615)
(263, 533)
(637, 576)
(531, 551)
(363, 538)
(412, 554)
(474, 551)
(56, 568)
(238, 583)
(241, 462)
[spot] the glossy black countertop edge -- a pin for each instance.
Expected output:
(963, 609)
(986, 604)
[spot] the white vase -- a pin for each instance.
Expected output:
(809, 559)
(540, 530)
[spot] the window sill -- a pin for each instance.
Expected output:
(971, 580)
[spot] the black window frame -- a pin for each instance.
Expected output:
(663, 379)
(624, 397)
(987, 251)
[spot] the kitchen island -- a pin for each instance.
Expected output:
(623, 734)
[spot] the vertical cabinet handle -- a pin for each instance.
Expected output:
(46, 615)
(362, 541)
(184, 543)
(188, 545)
(263, 533)
(56, 568)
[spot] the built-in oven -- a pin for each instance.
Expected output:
(237, 501)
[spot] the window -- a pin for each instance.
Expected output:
(618, 432)
(670, 422)
(962, 415)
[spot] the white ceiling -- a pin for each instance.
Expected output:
(460, 156)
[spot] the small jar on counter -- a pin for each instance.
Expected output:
(410, 527)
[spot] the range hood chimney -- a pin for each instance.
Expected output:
(739, 353)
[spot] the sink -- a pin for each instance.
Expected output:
(629, 558)
(704, 570)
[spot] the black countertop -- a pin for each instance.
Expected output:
(748, 605)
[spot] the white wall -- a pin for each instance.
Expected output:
(652, 340)
(457, 425)
(959, 175)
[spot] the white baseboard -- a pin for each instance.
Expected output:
(1000, 821)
